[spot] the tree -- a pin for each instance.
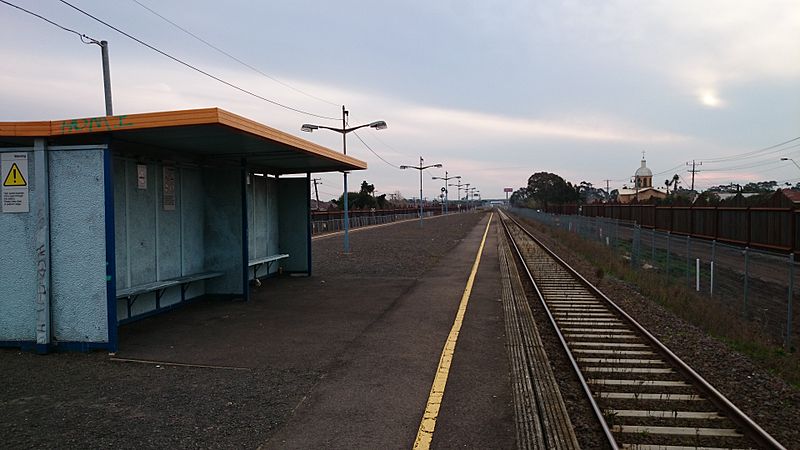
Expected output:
(520, 197)
(760, 186)
(548, 188)
(590, 194)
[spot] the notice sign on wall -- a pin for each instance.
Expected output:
(141, 176)
(169, 188)
(14, 174)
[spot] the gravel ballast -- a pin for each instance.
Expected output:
(768, 400)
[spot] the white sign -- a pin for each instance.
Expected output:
(14, 175)
(169, 188)
(141, 176)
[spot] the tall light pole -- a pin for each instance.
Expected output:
(458, 187)
(471, 194)
(466, 193)
(420, 168)
(378, 125)
(446, 179)
(793, 161)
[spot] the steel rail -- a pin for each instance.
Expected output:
(595, 407)
(758, 434)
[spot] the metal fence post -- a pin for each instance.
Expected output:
(638, 247)
(653, 247)
(688, 251)
(746, 273)
(668, 253)
(788, 344)
(713, 258)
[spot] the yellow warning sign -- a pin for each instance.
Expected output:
(14, 177)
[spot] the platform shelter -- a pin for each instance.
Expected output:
(106, 220)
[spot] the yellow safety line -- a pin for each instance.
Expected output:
(428, 423)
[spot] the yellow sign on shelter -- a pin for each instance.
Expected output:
(15, 177)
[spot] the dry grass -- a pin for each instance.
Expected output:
(710, 315)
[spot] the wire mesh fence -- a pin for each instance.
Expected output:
(333, 225)
(760, 286)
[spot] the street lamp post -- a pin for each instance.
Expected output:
(420, 168)
(472, 194)
(378, 125)
(446, 179)
(793, 161)
(458, 187)
(466, 193)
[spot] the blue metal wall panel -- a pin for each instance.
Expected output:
(18, 272)
(223, 229)
(294, 216)
(193, 220)
(121, 223)
(263, 220)
(153, 243)
(273, 233)
(77, 204)
(141, 226)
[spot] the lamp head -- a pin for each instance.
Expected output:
(784, 159)
(308, 128)
(404, 167)
(378, 125)
(437, 165)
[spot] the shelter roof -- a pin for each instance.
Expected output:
(211, 133)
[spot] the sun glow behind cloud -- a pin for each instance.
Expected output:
(709, 98)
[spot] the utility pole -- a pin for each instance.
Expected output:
(316, 192)
(608, 189)
(106, 77)
(694, 170)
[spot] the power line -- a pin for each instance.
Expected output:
(750, 154)
(209, 44)
(180, 61)
(84, 38)
(374, 152)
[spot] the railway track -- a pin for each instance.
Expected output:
(644, 396)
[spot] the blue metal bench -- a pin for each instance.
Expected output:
(268, 260)
(130, 294)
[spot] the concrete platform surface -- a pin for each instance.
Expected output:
(342, 359)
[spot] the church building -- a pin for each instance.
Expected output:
(643, 189)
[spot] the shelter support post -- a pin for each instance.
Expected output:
(111, 250)
(245, 239)
(41, 210)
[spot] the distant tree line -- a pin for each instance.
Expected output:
(545, 189)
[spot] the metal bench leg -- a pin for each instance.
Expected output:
(129, 301)
(184, 288)
(159, 293)
(256, 281)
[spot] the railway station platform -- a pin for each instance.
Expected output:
(344, 358)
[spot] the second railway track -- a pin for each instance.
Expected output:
(644, 396)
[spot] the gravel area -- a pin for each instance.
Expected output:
(87, 401)
(768, 400)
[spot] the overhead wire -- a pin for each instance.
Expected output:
(374, 152)
(249, 66)
(196, 69)
(84, 38)
(750, 154)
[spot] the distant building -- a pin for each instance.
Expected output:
(643, 187)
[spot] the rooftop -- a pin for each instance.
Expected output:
(210, 133)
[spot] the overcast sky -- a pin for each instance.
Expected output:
(494, 90)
